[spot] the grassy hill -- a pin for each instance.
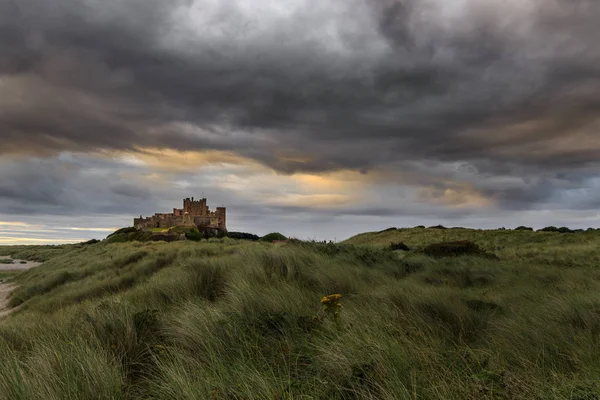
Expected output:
(232, 319)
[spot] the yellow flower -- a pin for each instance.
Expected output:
(332, 298)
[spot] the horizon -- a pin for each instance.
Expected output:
(108, 231)
(317, 121)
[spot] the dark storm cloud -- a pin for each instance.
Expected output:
(100, 75)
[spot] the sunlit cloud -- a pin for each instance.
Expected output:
(11, 240)
(170, 160)
(454, 195)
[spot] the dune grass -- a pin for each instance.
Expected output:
(9, 273)
(228, 319)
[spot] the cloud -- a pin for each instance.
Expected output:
(339, 85)
(343, 108)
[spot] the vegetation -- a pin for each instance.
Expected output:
(270, 237)
(242, 235)
(8, 273)
(453, 249)
(399, 246)
(6, 261)
(242, 319)
(523, 228)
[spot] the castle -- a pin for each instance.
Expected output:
(194, 212)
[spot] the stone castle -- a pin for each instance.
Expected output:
(194, 212)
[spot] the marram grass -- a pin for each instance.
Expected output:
(231, 319)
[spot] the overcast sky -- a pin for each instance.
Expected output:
(316, 119)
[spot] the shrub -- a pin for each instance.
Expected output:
(523, 228)
(548, 229)
(388, 230)
(273, 236)
(452, 249)
(438, 227)
(165, 238)
(564, 229)
(194, 236)
(242, 235)
(130, 229)
(399, 246)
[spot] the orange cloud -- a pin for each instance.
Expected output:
(180, 161)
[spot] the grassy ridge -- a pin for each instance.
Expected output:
(570, 249)
(227, 319)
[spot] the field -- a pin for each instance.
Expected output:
(234, 319)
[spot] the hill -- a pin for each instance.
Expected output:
(573, 249)
(239, 319)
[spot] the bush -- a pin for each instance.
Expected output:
(130, 229)
(388, 230)
(194, 236)
(564, 229)
(438, 227)
(523, 228)
(452, 249)
(242, 235)
(273, 236)
(399, 246)
(548, 229)
(93, 241)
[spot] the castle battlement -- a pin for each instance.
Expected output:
(194, 212)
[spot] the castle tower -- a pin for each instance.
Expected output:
(221, 214)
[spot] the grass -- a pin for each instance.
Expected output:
(229, 319)
(6, 261)
(5, 274)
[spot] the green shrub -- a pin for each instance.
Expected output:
(273, 237)
(523, 228)
(242, 235)
(453, 249)
(548, 229)
(123, 231)
(399, 246)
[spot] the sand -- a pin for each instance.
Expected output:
(17, 264)
(7, 288)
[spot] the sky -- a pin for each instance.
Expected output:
(319, 120)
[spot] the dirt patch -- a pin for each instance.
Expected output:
(17, 264)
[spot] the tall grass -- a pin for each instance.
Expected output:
(227, 319)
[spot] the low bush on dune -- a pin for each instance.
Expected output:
(454, 249)
(399, 246)
(270, 237)
(122, 231)
(243, 235)
(523, 228)
(437, 227)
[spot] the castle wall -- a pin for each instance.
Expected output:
(193, 212)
